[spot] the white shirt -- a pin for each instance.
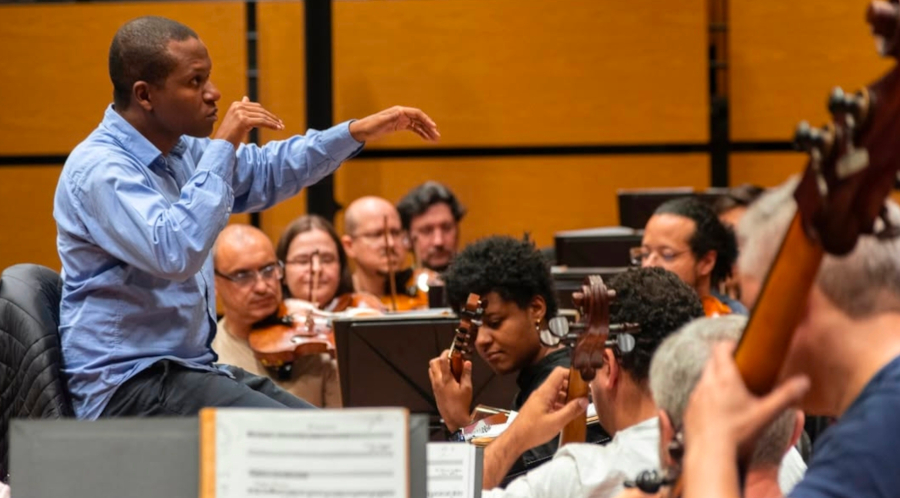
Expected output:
(600, 471)
(4, 490)
(590, 470)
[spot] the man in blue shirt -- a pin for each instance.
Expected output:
(138, 206)
(843, 361)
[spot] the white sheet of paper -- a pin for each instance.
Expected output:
(451, 468)
(350, 453)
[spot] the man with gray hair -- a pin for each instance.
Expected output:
(674, 372)
(843, 361)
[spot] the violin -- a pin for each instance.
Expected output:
(852, 167)
(587, 339)
(300, 328)
(469, 320)
(280, 339)
(414, 293)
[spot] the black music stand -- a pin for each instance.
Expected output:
(383, 361)
(605, 247)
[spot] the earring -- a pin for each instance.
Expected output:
(537, 325)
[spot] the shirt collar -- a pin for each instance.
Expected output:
(132, 140)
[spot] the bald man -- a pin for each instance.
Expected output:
(248, 280)
(373, 243)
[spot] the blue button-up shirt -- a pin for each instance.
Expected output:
(135, 228)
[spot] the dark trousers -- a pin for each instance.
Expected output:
(170, 389)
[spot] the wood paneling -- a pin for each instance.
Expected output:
(26, 208)
(766, 169)
(514, 195)
(282, 90)
(54, 65)
(527, 71)
(787, 56)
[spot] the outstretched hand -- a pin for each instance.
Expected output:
(392, 120)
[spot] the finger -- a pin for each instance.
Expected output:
(245, 99)
(444, 366)
(257, 107)
(264, 122)
(262, 114)
(465, 380)
(568, 412)
(424, 130)
(784, 396)
(445, 354)
(418, 115)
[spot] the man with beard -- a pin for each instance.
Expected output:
(430, 214)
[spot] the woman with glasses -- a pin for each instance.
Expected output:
(315, 267)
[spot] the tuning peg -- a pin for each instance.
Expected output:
(559, 327)
(549, 339)
(623, 341)
(807, 138)
(841, 103)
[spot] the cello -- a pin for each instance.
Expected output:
(587, 339)
(853, 164)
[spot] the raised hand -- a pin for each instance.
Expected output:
(392, 120)
(242, 117)
(453, 398)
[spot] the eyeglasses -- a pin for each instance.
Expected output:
(244, 278)
(305, 259)
(378, 235)
(639, 254)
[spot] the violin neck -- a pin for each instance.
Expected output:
(779, 309)
(576, 430)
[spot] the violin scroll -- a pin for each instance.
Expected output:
(469, 321)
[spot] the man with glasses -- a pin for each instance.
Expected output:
(686, 237)
(374, 239)
(248, 282)
(430, 213)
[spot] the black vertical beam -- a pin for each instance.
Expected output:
(319, 96)
(719, 136)
(252, 76)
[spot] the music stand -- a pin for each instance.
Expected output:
(383, 361)
(596, 247)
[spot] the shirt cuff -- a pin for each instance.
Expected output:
(339, 144)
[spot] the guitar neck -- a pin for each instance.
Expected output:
(779, 310)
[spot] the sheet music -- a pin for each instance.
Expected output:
(350, 453)
(452, 471)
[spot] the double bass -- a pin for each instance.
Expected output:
(587, 339)
(852, 167)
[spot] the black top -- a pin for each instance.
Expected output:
(529, 379)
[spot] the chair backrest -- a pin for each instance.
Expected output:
(30, 355)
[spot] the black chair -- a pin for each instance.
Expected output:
(30, 355)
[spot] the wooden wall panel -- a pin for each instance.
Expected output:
(527, 71)
(55, 75)
(282, 90)
(785, 57)
(512, 195)
(766, 169)
(26, 208)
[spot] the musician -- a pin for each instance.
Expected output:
(731, 208)
(138, 206)
(315, 261)
(660, 303)
(775, 466)
(514, 278)
(686, 237)
(843, 361)
(377, 248)
(430, 214)
(248, 280)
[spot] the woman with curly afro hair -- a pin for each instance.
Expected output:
(515, 279)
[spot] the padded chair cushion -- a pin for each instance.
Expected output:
(30, 356)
